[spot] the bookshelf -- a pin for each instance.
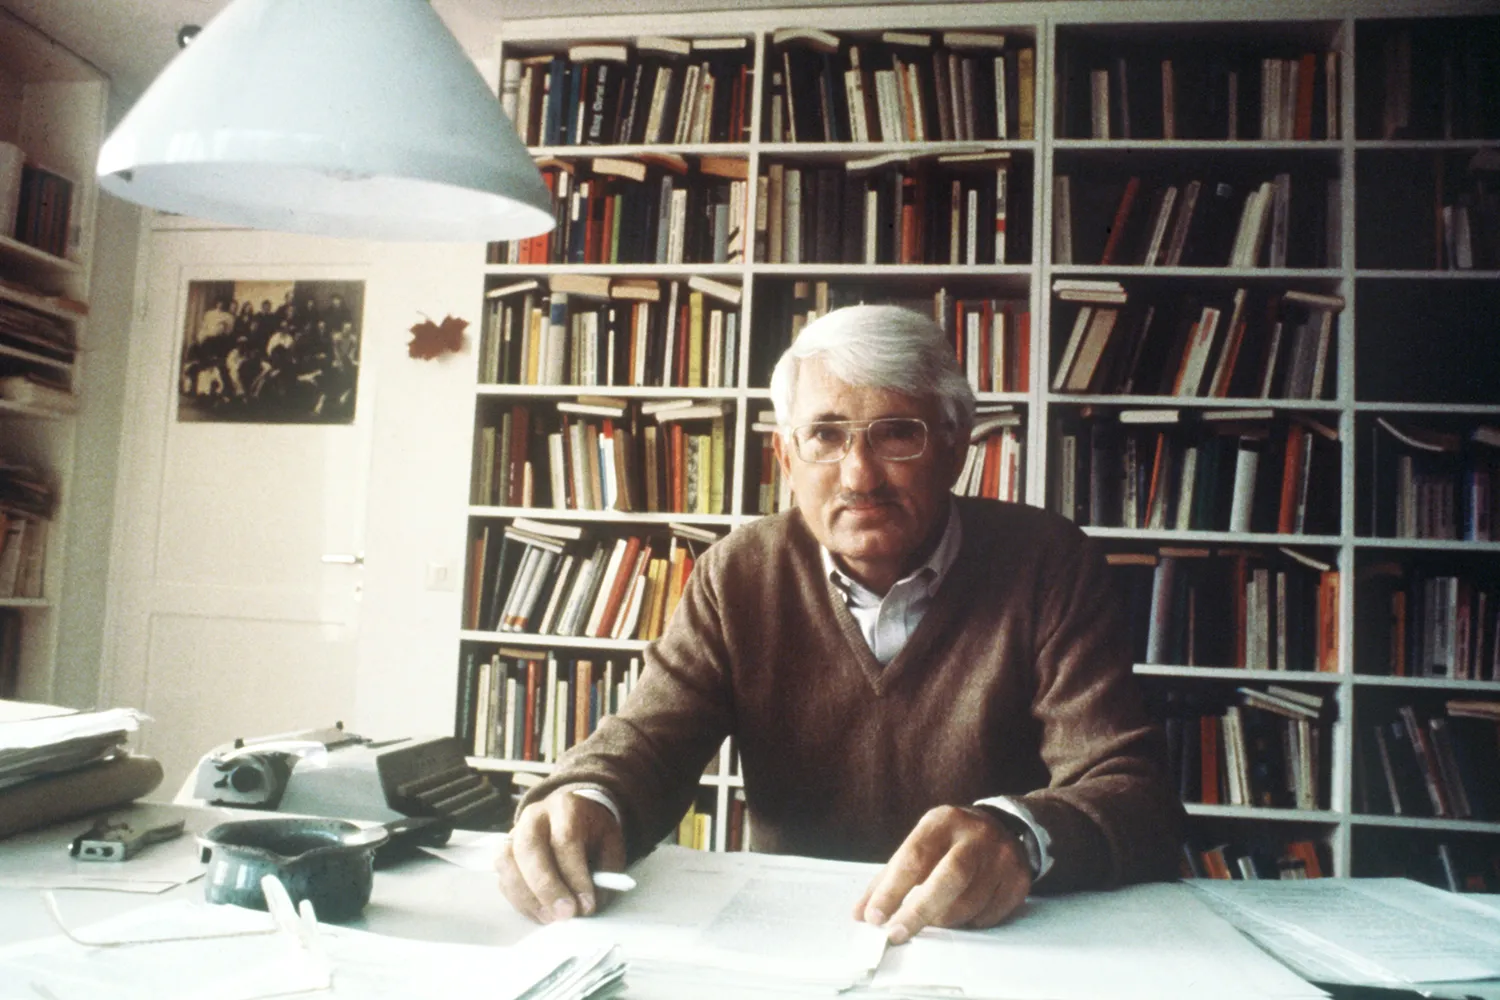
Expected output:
(1096, 334)
(52, 109)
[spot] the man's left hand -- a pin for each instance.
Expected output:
(959, 867)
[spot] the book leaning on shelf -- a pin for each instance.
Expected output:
(1429, 482)
(900, 86)
(654, 90)
(1210, 470)
(532, 705)
(1424, 621)
(1251, 343)
(1421, 762)
(1285, 220)
(650, 208)
(541, 578)
(1206, 91)
(588, 330)
(1259, 746)
(1230, 606)
(895, 208)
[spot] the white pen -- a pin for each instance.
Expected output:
(618, 881)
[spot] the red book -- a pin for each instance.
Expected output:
(619, 587)
(519, 437)
(986, 348)
(606, 241)
(990, 484)
(529, 748)
(1306, 73)
(1291, 474)
(1208, 756)
(1122, 218)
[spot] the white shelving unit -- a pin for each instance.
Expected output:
(52, 105)
(1050, 28)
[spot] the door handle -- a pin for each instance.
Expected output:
(344, 558)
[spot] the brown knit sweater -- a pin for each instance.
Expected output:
(1016, 682)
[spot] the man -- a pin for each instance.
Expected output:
(940, 682)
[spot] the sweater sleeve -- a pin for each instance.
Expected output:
(649, 756)
(1108, 808)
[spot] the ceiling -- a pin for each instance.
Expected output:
(131, 40)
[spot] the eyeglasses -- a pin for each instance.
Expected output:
(892, 439)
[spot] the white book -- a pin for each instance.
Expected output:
(557, 470)
(1001, 125)
(1159, 229)
(792, 224)
(526, 616)
(630, 614)
(1247, 458)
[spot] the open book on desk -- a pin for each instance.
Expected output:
(702, 924)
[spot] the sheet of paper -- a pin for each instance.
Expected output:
(360, 965)
(1366, 931)
(1148, 942)
(470, 850)
(39, 859)
(766, 919)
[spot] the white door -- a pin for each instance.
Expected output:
(237, 565)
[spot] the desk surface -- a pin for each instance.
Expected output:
(1150, 943)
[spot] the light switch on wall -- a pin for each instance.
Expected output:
(439, 576)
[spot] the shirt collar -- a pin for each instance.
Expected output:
(934, 569)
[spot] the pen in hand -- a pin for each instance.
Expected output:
(616, 881)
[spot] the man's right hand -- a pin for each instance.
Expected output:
(556, 843)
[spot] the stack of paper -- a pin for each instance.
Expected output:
(56, 764)
(43, 739)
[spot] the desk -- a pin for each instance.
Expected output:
(1157, 955)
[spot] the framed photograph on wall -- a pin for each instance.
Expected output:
(270, 351)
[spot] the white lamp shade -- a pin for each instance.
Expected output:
(355, 118)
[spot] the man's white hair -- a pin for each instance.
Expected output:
(880, 347)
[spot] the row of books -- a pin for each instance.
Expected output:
(1257, 343)
(1449, 861)
(996, 457)
(1440, 764)
(36, 343)
(1216, 470)
(1182, 95)
(1428, 482)
(10, 651)
(598, 453)
(655, 90)
(587, 330)
(44, 209)
(1257, 609)
(991, 336)
(773, 492)
(1245, 221)
(23, 555)
(1420, 624)
(1293, 859)
(1440, 209)
(544, 578)
(900, 86)
(697, 826)
(1429, 80)
(654, 208)
(894, 208)
(1259, 747)
(531, 705)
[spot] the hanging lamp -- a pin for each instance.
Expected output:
(353, 118)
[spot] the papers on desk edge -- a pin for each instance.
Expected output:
(183, 950)
(1364, 932)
